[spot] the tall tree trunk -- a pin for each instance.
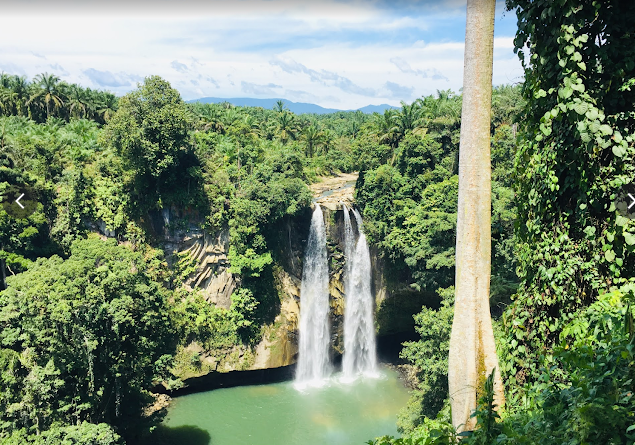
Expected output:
(472, 349)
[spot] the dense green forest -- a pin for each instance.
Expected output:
(242, 168)
(231, 167)
(89, 325)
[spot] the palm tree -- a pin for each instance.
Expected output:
(507, 102)
(251, 126)
(385, 127)
(105, 104)
(442, 116)
(230, 116)
(312, 136)
(407, 119)
(7, 100)
(472, 350)
(356, 124)
(279, 106)
(20, 86)
(443, 108)
(5, 80)
(269, 130)
(328, 137)
(77, 101)
(47, 91)
(214, 121)
(287, 127)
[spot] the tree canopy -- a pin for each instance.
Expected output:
(83, 338)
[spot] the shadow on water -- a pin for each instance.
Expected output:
(179, 435)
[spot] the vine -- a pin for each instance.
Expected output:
(576, 153)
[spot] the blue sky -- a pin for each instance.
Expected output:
(338, 53)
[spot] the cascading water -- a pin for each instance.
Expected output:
(313, 361)
(349, 248)
(360, 355)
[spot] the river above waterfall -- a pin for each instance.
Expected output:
(280, 414)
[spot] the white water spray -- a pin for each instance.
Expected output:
(313, 361)
(360, 356)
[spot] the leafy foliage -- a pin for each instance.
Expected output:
(576, 152)
(408, 190)
(83, 339)
(150, 133)
(430, 357)
(585, 396)
(83, 434)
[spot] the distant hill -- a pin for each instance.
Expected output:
(295, 107)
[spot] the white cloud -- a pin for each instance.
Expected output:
(180, 67)
(255, 89)
(327, 78)
(405, 67)
(399, 91)
(105, 79)
(286, 51)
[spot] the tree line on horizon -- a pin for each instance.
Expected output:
(46, 96)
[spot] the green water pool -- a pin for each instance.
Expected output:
(280, 414)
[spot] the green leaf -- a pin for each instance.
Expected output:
(565, 92)
(546, 130)
(609, 255)
(629, 238)
(578, 87)
(581, 107)
(621, 220)
(619, 151)
(592, 114)
(606, 130)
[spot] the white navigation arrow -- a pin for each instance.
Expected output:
(632, 203)
(22, 195)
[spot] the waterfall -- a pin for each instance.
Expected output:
(359, 329)
(313, 361)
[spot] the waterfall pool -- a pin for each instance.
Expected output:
(280, 414)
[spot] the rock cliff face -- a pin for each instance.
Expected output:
(211, 274)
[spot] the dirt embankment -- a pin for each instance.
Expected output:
(333, 191)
